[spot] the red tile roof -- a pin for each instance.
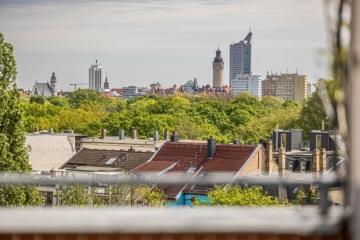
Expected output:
(153, 167)
(118, 90)
(228, 158)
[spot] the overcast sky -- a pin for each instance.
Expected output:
(169, 42)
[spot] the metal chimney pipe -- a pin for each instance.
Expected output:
(36, 129)
(156, 135)
(103, 133)
(121, 134)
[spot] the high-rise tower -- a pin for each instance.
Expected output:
(53, 84)
(240, 57)
(96, 76)
(218, 70)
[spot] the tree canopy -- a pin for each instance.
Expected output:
(235, 195)
(14, 156)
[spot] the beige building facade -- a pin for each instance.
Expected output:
(292, 86)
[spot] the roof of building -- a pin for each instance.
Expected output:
(42, 89)
(191, 161)
(118, 90)
(110, 159)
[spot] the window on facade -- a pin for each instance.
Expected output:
(318, 141)
(303, 167)
(290, 166)
(283, 140)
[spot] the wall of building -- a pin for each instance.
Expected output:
(247, 83)
(96, 77)
(256, 165)
(49, 151)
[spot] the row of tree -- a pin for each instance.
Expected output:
(244, 117)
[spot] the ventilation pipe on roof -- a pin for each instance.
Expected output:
(175, 137)
(211, 148)
(166, 135)
(36, 129)
(121, 134)
(133, 133)
(103, 133)
(51, 130)
(156, 135)
(236, 141)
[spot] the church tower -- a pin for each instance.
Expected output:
(218, 70)
(53, 84)
(106, 83)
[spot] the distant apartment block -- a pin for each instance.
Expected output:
(96, 76)
(309, 90)
(292, 86)
(240, 57)
(269, 85)
(247, 83)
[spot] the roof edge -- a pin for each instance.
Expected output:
(62, 166)
(247, 161)
(156, 152)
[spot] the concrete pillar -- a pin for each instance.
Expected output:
(315, 165)
(282, 162)
(322, 161)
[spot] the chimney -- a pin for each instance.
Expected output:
(156, 135)
(51, 130)
(36, 129)
(53, 173)
(315, 162)
(103, 133)
(211, 148)
(166, 135)
(282, 162)
(270, 164)
(133, 133)
(236, 141)
(322, 161)
(121, 134)
(175, 137)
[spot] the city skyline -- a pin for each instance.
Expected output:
(148, 42)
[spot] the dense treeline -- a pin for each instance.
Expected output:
(193, 116)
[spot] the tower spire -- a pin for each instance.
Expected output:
(250, 28)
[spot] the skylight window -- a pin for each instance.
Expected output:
(110, 161)
(191, 170)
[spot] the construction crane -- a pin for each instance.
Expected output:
(75, 84)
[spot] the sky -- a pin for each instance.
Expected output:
(171, 42)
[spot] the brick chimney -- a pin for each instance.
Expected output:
(315, 162)
(211, 148)
(270, 164)
(282, 161)
(175, 137)
(322, 161)
(103, 133)
(133, 133)
(166, 135)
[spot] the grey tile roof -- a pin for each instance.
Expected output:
(125, 160)
(42, 89)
